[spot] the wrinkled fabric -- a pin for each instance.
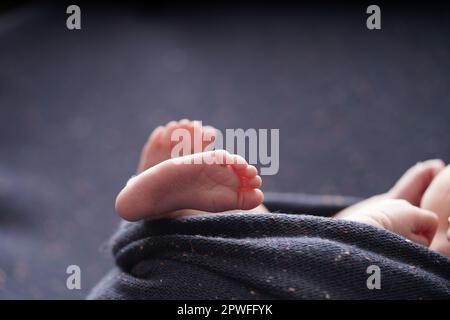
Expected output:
(268, 256)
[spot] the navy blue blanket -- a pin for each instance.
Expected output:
(269, 256)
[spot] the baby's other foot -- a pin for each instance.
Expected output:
(192, 182)
(161, 142)
(437, 199)
(400, 217)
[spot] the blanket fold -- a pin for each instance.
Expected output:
(268, 256)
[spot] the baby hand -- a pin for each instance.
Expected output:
(401, 217)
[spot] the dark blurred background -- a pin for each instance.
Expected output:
(355, 108)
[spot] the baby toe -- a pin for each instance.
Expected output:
(170, 128)
(254, 182)
(238, 163)
(250, 199)
(157, 135)
(184, 121)
(251, 171)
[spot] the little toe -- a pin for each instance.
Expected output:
(250, 199)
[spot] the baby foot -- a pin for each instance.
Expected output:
(192, 182)
(410, 187)
(400, 217)
(160, 144)
(437, 199)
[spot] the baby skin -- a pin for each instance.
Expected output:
(422, 214)
(437, 199)
(417, 207)
(211, 181)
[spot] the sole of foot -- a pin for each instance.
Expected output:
(213, 181)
